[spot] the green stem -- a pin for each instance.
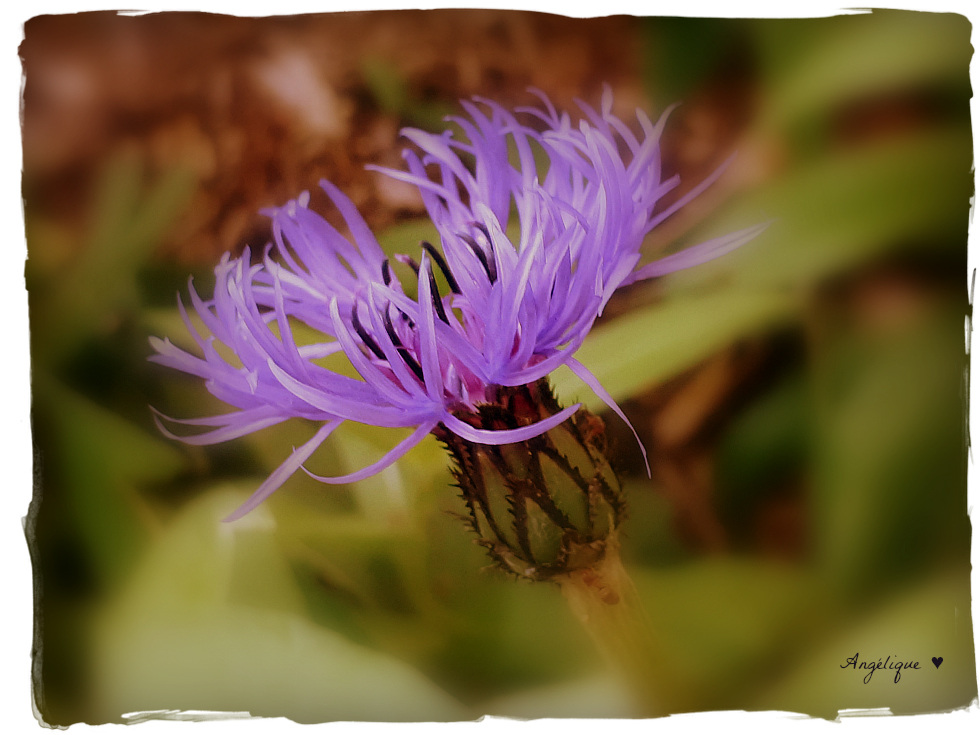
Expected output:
(605, 601)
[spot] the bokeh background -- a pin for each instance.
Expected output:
(803, 400)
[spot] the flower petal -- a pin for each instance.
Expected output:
(399, 450)
(284, 471)
(507, 436)
(697, 254)
(583, 374)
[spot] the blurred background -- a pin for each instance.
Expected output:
(803, 400)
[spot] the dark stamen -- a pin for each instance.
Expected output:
(386, 272)
(443, 266)
(366, 338)
(491, 260)
(483, 228)
(409, 261)
(405, 355)
(489, 265)
(390, 328)
(436, 298)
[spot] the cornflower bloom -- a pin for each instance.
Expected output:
(531, 252)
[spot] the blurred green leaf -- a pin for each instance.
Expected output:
(386, 83)
(87, 296)
(651, 535)
(131, 216)
(680, 52)
(651, 344)
(811, 74)
(845, 210)
(503, 636)
(764, 444)
(378, 558)
(725, 622)
(932, 619)
(193, 631)
(890, 455)
(99, 460)
(199, 563)
(406, 236)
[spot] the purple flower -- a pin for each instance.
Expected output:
(530, 260)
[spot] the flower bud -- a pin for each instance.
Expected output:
(546, 506)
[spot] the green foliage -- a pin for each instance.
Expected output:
(766, 445)
(925, 621)
(654, 343)
(214, 621)
(813, 67)
(890, 460)
(393, 95)
(847, 209)
(766, 606)
(98, 461)
(85, 293)
(679, 53)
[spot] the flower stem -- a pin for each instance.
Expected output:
(605, 601)
(548, 509)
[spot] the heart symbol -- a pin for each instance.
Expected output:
(937, 661)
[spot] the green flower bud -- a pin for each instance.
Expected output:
(542, 507)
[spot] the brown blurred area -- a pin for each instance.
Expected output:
(260, 109)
